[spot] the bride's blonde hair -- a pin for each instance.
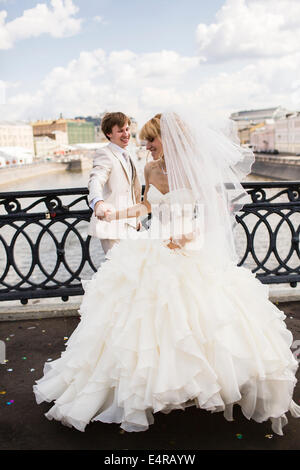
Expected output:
(151, 129)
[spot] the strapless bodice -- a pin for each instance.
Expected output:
(179, 196)
(172, 212)
(154, 196)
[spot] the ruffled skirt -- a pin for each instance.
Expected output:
(162, 330)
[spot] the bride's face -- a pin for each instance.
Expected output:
(155, 147)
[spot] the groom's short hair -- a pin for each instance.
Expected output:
(109, 120)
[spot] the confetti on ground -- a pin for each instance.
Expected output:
(9, 370)
(2, 392)
(31, 327)
(11, 335)
(269, 436)
(49, 359)
(43, 331)
(7, 339)
(10, 402)
(31, 370)
(65, 338)
(239, 436)
(24, 357)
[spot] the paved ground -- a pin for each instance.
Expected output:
(29, 343)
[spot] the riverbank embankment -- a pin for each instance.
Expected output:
(35, 170)
(278, 167)
(12, 174)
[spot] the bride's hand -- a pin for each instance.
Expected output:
(173, 245)
(177, 243)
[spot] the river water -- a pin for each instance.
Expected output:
(47, 251)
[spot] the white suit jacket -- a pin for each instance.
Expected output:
(110, 181)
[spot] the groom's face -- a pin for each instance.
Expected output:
(120, 135)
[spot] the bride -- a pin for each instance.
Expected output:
(169, 320)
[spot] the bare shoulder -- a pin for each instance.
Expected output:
(149, 167)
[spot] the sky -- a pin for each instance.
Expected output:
(84, 57)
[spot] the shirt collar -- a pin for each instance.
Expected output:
(119, 149)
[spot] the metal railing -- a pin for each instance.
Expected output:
(45, 250)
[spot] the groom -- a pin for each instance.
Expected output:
(113, 182)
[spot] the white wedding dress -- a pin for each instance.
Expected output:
(165, 329)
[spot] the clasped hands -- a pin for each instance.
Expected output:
(105, 211)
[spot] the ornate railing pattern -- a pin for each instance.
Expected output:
(45, 250)
(276, 209)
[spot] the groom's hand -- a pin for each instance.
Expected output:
(101, 208)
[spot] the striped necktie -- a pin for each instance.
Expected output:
(127, 159)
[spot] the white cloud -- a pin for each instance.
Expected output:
(96, 81)
(57, 20)
(251, 29)
(143, 84)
